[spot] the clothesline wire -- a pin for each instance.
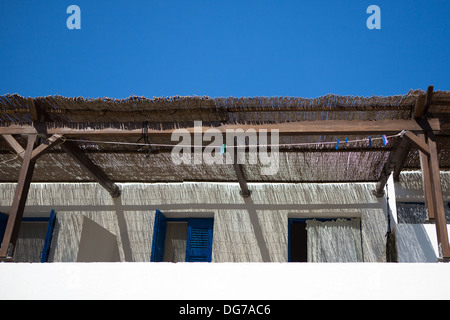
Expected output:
(218, 146)
(232, 146)
(16, 155)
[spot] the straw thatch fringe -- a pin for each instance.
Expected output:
(15, 108)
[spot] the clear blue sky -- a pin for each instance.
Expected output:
(223, 48)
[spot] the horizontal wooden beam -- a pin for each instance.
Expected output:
(322, 127)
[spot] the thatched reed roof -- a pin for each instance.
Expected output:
(312, 162)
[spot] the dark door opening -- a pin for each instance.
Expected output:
(298, 241)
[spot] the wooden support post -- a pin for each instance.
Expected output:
(239, 169)
(426, 181)
(85, 162)
(437, 198)
(19, 200)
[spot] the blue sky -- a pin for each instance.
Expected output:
(223, 48)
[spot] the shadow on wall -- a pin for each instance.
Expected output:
(414, 244)
(124, 236)
(253, 215)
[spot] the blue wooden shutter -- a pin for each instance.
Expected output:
(159, 237)
(48, 236)
(199, 240)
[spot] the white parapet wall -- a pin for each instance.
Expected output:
(225, 281)
(418, 242)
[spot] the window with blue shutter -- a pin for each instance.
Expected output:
(46, 237)
(199, 239)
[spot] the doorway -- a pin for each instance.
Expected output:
(298, 248)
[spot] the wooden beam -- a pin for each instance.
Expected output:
(239, 169)
(37, 152)
(14, 144)
(423, 103)
(416, 141)
(438, 200)
(19, 200)
(419, 106)
(320, 127)
(46, 146)
(402, 155)
(85, 162)
(37, 113)
(426, 181)
(394, 163)
(428, 98)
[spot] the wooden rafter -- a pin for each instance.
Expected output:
(239, 169)
(403, 153)
(43, 148)
(416, 141)
(85, 162)
(398, 157)
(39, 115)
(393, 164)
(423, 103)
(14, 144)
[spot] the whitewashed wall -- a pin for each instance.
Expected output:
(418, 242)
(225, 281)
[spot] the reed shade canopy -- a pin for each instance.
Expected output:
(302, 157)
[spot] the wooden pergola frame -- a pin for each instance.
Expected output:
(418, 132)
